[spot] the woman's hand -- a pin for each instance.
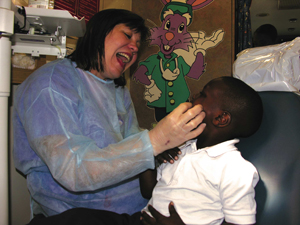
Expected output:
(182, 124)
(170, 156)
(159, 219)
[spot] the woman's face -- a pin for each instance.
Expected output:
(120, 48)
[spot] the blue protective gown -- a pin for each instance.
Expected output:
(77, 139)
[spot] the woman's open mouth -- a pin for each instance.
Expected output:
(125, 58)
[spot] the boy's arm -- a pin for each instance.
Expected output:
(238, 192)
(159, 219)
(147, 182)
(148, 178)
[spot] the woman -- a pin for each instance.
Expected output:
(76, 136)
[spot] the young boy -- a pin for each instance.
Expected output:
(210, 180)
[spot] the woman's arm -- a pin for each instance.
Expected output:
(71, 131)
(75, 145)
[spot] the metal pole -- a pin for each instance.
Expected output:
(6, 30)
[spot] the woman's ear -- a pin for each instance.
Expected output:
(222, 119)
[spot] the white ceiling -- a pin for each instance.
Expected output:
(278, 18)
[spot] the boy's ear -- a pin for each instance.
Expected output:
(222, 119)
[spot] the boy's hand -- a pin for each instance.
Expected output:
(159, 219)
(168, 156)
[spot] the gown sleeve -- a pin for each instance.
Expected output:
(71, 143)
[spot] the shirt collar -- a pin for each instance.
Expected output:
(216, 150)
(108, 81)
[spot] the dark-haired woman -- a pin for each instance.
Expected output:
(76, 136)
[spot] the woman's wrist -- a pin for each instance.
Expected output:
(153, 139)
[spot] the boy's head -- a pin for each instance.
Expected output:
(265, 35)
(233, 109)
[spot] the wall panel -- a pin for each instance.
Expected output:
(219, 59)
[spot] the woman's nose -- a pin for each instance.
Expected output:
(134, 47)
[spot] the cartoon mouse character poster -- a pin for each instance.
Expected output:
(181, 56)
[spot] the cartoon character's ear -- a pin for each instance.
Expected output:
(198, 4)
(168, 12)
(222, 119)
(188, 18)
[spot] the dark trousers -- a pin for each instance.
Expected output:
(83, 216)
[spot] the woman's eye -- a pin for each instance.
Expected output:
(127, 35)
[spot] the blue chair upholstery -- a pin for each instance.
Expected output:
(275, 151)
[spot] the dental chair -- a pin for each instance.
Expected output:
(274, 71)
(275, 151)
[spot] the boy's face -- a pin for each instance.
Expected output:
(208, 98)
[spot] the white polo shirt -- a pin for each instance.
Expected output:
(208, 185)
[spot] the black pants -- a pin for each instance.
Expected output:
(83, 216)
